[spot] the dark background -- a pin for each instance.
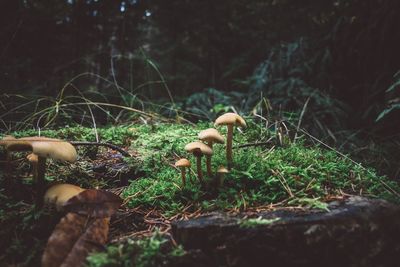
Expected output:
(202, 57)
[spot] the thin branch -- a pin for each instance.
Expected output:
(114, 147)
(256, 143)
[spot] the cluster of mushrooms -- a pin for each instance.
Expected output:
(207, 138)
(41, 149)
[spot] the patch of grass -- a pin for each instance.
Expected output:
(150, 251)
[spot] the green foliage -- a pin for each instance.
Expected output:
(291, 76)
(211, 102)
(393, 103)
(149, 251)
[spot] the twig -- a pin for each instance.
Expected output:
(256, 143)
(114, 147)
(283, 182)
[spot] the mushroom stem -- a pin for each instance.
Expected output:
(220, 176)
(34, 164)
(183, 172)
(229, 138)
(199, 172)
(35, 171)
(8, 175)
(220, 179)
(39, 180)
(208, 160)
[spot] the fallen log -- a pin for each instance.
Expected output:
(355, 232)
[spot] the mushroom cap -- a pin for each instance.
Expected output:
(198, 148)
(230, 118)
(222, 169)
(43, 147)
(211, 135)
(182, 163)
(60, 193)
(10, 143)
(8, 137)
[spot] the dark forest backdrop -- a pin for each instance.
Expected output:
(336, 60)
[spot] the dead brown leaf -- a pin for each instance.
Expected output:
(74, 237)
(94, 203)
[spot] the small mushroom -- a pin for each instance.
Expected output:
(183, 164)
(210, 136)
(60, 193)
(43, 148)
(33, 160)
(230, 119)
(198, 149)
(220, 175)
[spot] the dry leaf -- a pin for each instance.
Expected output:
(94, 203)
(74, 237)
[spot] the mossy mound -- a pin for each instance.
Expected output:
(261, 175)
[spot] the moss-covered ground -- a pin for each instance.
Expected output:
(264, 173)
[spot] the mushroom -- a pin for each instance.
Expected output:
(210, 136)
(60, 193)
(198, 149)
(182, 164)
(43, 148)
(230, 119)
(33, 159)
(220, 175)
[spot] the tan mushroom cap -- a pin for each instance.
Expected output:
(8, 137)
(222, 169)
(182, 163)
(43, 147)
(198, 147)
(60, 193)
(13, 144)
(211, 135)
(230, 118)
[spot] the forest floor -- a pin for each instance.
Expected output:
(269, 171)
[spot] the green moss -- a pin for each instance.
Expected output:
(261, 175)
(150, 251)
